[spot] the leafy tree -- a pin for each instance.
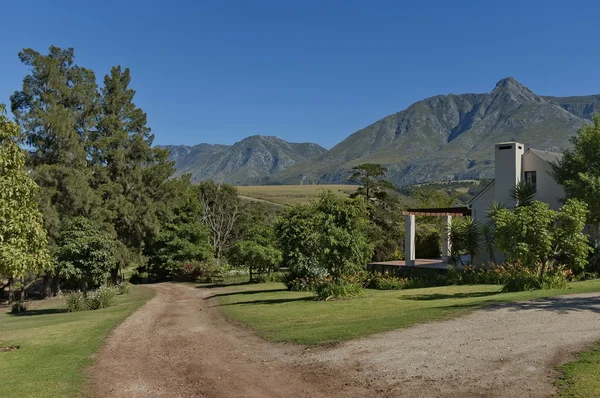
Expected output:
(488, 240)
(579, 170)
(181, 238)
(330, 234)
(539, 237)
(220, 213)
(257, 251)
(23, 241)
(372, 178)
(85, 254)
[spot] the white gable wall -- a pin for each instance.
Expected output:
(547, 189)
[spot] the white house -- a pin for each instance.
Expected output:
(514, 164)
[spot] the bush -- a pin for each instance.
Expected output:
(122, 288)
(326, 288)
(299, 284)
(428, 241)
(18, 307)
(386, 282)
(101, 298)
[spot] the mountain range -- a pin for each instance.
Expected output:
(437, 139)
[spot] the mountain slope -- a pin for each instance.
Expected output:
(250, 160)
(582, 106)
(447, 136)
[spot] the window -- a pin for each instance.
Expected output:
(531, 178)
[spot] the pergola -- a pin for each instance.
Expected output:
(409, 225)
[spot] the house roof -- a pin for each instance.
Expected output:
(484, 190)
(549, 157)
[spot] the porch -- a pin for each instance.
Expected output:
(410, 260)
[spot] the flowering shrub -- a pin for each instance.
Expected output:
(386, 281)
(101, 298)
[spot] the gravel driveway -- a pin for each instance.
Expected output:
(180, 345)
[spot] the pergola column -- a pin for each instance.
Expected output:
(446, 244)
(409, 243)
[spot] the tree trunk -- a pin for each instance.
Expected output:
(47, 286)
(542, 270)
(11, 290)
(114, 275)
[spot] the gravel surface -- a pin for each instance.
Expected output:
(180, 345)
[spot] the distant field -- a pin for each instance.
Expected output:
(292, 194)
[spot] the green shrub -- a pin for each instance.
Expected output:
(76, 302)
(122, 288)
(139, 278)
(520, 283)
(386, 282)
(427, 241)
(327, 289)
(18, 307)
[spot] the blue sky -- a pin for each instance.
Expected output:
(218, 71)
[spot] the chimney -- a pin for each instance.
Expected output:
(508, 170)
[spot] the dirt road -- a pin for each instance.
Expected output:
(179, 345)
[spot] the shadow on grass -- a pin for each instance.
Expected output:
(223, 284)
(267, 301)
(47, 311)
(244, 292)
(437, 296)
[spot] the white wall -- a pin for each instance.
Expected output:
(547, 189)
(479, 210)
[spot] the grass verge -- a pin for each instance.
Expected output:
(283, 316)
(580, 377)
(56, 345)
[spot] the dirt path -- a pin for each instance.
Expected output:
(179, 345)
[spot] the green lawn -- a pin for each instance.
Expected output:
(580, 378)
(56, 345)
(279, 315)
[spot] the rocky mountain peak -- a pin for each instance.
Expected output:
(513, 88)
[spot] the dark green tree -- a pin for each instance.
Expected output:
(85, 254)
(579, 170)
(181, 238)
(128, 171)
(256, 251)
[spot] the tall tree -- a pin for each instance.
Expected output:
(56, 106)
(57, 109)
(23, 242)
(372, 178)
(579, 170)
(128, 171)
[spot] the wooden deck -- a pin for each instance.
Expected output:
(391, 266)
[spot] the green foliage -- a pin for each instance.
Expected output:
(465, 237)
(23, 240)
(101, 298)
(327, 288)
(122, 288)
(259, 258)
(328, 236)
(427, 241)
(523, 193)
(371, 177)
(539, 237)
(181, 238)
(85, 255)
(18, 307)
(386, 281)
(579, 169)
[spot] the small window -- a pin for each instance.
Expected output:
(503, 147)
(531, 178)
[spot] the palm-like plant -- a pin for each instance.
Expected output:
(465, 237)
(523, 193)
(488, 240)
